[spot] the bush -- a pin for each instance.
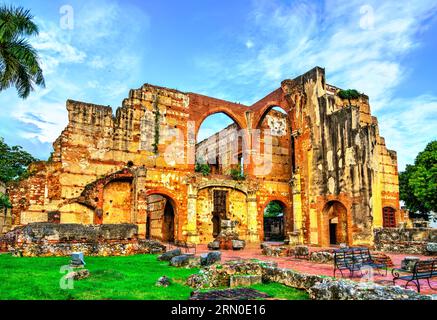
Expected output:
(203, 168)
(236, 174)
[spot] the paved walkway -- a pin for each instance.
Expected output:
(322, 269)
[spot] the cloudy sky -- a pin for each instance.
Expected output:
(95, 51)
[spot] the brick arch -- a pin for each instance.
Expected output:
(241, 123)
(261, 113)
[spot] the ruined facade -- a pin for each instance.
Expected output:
(323, 160)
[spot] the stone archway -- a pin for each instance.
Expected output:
(334, 224)
(274, 221)
(161, 217)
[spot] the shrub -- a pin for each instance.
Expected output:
(203, 168)
(236, 174)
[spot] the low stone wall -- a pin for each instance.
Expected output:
(405, 240)
(44, 231)
(318, 287)
(49, 239)
(113, 248)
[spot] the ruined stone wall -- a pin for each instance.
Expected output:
(338, 160)
(328, 164)
(406, 240)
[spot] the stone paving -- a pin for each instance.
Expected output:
(305, 266)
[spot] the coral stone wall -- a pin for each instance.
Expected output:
(321, 154)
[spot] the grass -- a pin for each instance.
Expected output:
(112, 278)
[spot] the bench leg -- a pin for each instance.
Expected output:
(429, 284)
(417, 283)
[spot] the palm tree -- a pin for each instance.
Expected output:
(19, 65)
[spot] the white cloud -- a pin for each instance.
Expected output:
(249, 44)
(94, 62)
(410, 126)
(360, 43)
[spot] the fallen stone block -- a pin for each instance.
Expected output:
(210, 258)
(163, 282)
(185, 260)
(167, 256)
(238, 244)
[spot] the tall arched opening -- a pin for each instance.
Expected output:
(274, 145)
(219, 145)
(334, 224)
(160, 221)
(274, 221)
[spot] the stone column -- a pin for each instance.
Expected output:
(252, 218)
(297, 207)
(191, 227)
(139, 208)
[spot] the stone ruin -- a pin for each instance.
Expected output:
(322, 158)
(50, 239)
(228, 238)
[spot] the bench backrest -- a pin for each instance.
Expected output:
(344, 257)
(347, 257)
(425, 267)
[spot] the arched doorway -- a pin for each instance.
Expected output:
(168, 223)
(160, 222)
(274, 223)
(335, 224)
(389, 217)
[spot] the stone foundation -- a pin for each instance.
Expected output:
(49, 239)
(318, 287)
(405, 240)
(116, 248)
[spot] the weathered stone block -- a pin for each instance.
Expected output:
(245, 280)
(301, 251)
(163, 282)
(408, 263)
(185, 260)
(215, 245)
(170, 254)
(210, 258)
(238, 244)
(431, 247)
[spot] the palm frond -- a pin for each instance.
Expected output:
(16, 21)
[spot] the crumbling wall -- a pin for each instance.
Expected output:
(406, 240)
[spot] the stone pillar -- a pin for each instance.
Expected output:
(139, 210)
(252, 218)
(191, 227)
(297, 209)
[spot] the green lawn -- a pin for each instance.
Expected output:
(131, 277)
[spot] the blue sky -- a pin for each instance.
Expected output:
(234, 50)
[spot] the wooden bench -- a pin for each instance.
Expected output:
(356, 259)
(425, 269)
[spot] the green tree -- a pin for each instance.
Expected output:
(13, 162)
(19, 62)
(349, 94)
(4, 201)
(273, 209)
(418, 183)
